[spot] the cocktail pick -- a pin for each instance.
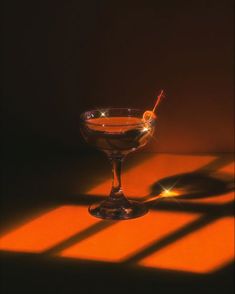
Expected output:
(148, 114)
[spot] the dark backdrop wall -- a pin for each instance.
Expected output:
(63, 57)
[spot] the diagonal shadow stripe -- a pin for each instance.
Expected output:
(217, 163)
(182, 232)
(221, 209)
(93, 229)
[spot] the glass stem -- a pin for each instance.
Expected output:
(116, 191)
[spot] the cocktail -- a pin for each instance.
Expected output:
(117, 132)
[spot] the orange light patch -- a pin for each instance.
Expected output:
(47, 230)
(137, 180)
(202, 251)
(229, 168)
(124, 238)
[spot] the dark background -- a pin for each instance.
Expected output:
(64, 57)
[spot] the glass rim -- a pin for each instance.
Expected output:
(86, 121)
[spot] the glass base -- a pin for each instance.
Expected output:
(118, 211)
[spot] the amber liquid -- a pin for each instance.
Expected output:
(117, 135)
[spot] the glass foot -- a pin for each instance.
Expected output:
(115, 211)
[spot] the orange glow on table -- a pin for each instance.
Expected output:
(47, 230)
(228, 168)
(202, 251)
(124, 238)
(138, 179)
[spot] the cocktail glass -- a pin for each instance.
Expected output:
(117, 132)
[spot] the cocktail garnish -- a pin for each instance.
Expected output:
(149, 114)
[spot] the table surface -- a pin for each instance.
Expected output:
(49, 241)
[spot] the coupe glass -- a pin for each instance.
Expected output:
(117, 132)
